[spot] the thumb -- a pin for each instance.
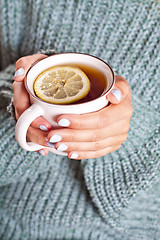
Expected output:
(120, 90)
(24, 63)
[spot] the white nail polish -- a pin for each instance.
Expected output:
(41, 152)
(64, 122)
(62, 147)
(50, 144)
(55, 138)
(74, 155)
(43, 128)
(117, 93)
(19, 72)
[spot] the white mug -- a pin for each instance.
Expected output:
(51, 111)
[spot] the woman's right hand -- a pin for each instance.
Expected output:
(38, 130)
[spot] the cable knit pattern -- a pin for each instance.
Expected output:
(114, 197)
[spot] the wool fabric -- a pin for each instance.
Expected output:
(114, 197)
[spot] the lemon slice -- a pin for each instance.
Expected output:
(62, 85)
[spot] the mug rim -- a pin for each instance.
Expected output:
(70, 105)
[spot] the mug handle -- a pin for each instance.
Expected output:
(23, 124)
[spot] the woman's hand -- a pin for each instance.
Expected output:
(82, 136)
(95, 134)
(37, 132)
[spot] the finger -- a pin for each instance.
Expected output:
(21, 103)
(100, 119)
(21, 98)
(24, 63)
(74, 135)
(120, 90)
(36, 136)
(90, 146)
(41, 123)
(92, 154)
(43, 152)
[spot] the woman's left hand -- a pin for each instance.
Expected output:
(95, 134)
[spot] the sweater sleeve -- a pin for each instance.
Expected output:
(15, 162)
(114, 179)
(6, 80)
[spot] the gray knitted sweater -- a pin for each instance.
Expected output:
(113, 197)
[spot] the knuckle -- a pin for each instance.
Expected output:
(96, 136)
(80, 124)
(127, 127)
(117, 147)
(97, 146)
(100, 123)
(130, 111)
(122, 83)
(20, 61)
(81, 121)
(72, 135)
(125, 137)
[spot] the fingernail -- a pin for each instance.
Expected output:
(50, 144)
(43, 128)
(19, 72)
(117, 93)
(41, 152)
(55, 138)
(64, 122)
(74, 155)
(62, 147)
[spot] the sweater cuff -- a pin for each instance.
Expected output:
(11, 110)
(48, 52)
(6, 80)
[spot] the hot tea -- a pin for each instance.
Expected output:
(62, 91)
(98, 83)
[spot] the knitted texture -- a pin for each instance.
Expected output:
(54, 197)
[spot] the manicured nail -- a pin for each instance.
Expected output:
(43, 128)
(64, 122)
(62, 147)
(41, 152)
(19, 72)
(74, 155)
(117, 93)
(55, 138)
(50, 144)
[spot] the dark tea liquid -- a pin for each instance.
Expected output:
(98, 82)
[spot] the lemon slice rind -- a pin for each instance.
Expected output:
(62, 85)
